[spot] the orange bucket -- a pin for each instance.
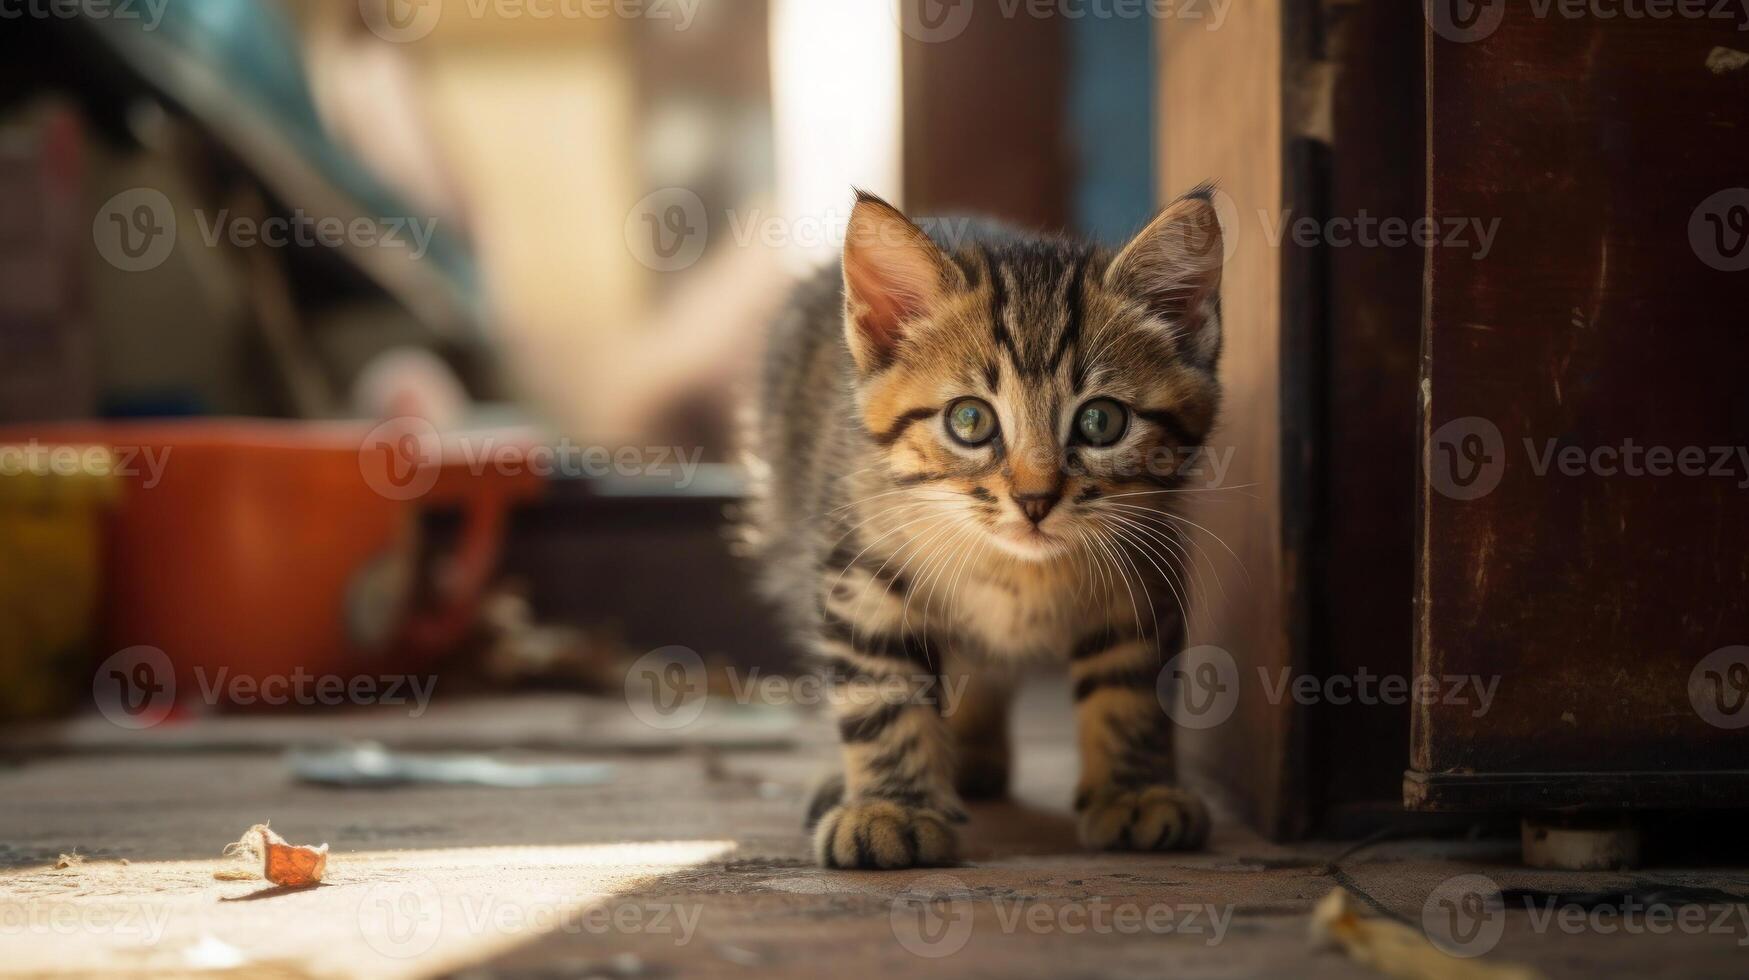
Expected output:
(246, 549)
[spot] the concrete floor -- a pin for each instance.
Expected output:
(689, 862)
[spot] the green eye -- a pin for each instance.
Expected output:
(1101, 422)
(971, 421)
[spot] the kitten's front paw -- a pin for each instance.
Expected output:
(870, 834)
(1153, 818)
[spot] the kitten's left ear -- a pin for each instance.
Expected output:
(1174, 268)
(893, 274)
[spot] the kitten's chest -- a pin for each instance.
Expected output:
(1023, 621)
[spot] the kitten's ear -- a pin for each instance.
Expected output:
(893, 274)
(1174, 268)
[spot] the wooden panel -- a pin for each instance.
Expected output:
(1370, 356)
(1594, 320)
(1221, 118)
(984, 107)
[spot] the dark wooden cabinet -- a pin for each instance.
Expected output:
(1582, 290)
(1584, 507)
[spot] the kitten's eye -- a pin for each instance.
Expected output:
(1101, 422)
(971, 421)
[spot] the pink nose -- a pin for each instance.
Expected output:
(1037, 505)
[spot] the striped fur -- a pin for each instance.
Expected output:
(906, 559)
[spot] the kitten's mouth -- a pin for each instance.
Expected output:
(1029, 540)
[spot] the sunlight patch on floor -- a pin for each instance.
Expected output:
(379, 913)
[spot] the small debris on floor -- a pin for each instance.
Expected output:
(739, 956)
(1395, 949)
(1721, 61)
(67, 861)
(368, 764)
(282, 863)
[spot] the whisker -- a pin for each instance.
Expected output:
(1132, 530)
(1141, 579)
(1096, 569)
(1169, 515)
(895, 509)
(1146, 514)
(933, 578)
(953, 592)
(1218, 540)
(1153, 493)
(971, 531)
(1135, 606)
(920, 501)
(917, 542)
(871, 544)
(914, 491)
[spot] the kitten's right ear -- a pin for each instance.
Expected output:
(893, 274)
(1174, 268)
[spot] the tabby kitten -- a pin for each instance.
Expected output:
(959, 470)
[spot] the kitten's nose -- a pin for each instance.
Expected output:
(1037, 505)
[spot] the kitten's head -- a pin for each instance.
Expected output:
(1035, 386)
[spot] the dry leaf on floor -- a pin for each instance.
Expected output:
(1395, 949)
(285, 864)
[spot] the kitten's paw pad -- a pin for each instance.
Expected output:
(871, 834)
(1153, 818)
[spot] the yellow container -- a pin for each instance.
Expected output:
(52, 500)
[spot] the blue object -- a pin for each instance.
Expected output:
(1111, 108)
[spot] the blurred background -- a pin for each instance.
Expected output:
(239, 234)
